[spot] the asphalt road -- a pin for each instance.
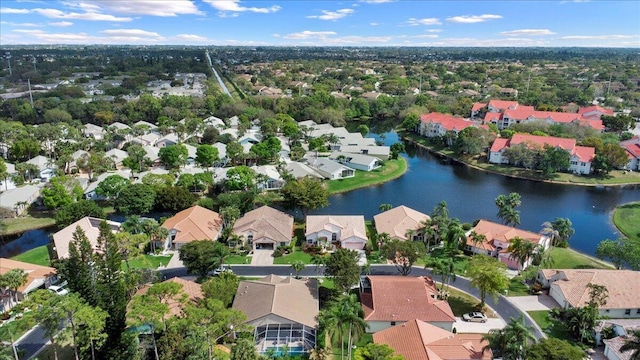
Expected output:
(32, 342)
(503, 307)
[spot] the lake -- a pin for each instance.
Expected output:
(470, 195)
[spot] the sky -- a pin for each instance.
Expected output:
(519, 23)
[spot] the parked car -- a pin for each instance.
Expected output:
(58, 290)
(222, 269)
(475, 317)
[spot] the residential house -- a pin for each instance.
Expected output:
(191, 289)
(497, 239)
(620, 327)
(348, 231)
(169, 139)
(191, 154)
(371, 95)
(527, 114)
(215, 122)
(271, 177)
(330, 169)
(356, 161)
(299, 171)
(569, 288)
(90, 190)
(498, 106)
(594, 112)
(93, 131)
(477, 109)
(194, 223)
(436, 124)
(612, 348)
(151, 127)
(418, 340)
(37, 276)
(15, 202)
(46, 167)
(633, 152)
(581, 157)
(388, 301)
(148, 139)
(381, 152)
(153, 155)
(509, 92)
(91, 228)
(282, 311)
(117, 156)
(400, 222)
(75, 157)
(222, 150)
(265, 228)
(7, 183)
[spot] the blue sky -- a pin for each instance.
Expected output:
(322, 23)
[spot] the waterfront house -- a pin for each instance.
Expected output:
(15, 202)
(388, 301)
(91, 228)
(6, 183)
(282, 312)
(419, 340)
(299, 171)
(38, 277)
(194, 223)
(633, 152)
(265, 228)
(348, 231)
(330, 169)
(271, 177)
(569, 287)
(356, 161)
(497, 239)
(581, 157)
(401, 222)
(381, 152)
(436, 124)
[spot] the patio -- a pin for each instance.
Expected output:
(298, 338)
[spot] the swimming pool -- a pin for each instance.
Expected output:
(296, 350)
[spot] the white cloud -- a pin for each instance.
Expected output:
(309, 34)
(61, 23)
(425, 21)
(528, 32)
(10, 23)
(130, 32)
(597, 37)
(374, 24)
(89, 16)
(331, 15)
(13, 11)
(234, 7)
(472, 19)
(425, 36)
(434, 30)
(191, 38)
(150, 7)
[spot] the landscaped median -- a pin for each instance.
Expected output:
(392, 169)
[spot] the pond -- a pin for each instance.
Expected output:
(470, 195)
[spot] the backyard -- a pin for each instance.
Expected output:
(38, 256)
(549, 326)
(390, 170)
(627, 220)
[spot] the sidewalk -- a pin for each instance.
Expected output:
(175, 261)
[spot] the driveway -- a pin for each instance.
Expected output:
(262, 257)
(474, 327)
(533, 303)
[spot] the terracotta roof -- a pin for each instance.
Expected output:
(478, 106)
(503, 104)
(266, 222)
(418, 340)
(192, 289)
(446, 121)
(194, 223)
(623, 287)
(584, 153)
(91, 228)
(604, 111)
(499, 144)
(289, 298)
(490, 116)
(404, 298)
(398, 220)
(522, 113)
(493, 231)
(36, 274)
(615, 344)
(350, 224)
(632, 146)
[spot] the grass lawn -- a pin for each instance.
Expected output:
(565, 258)
(147, 262)
(627, 220)
(390, 170)
(238, 259)
(23, 223)
(462, 303)
(38, 256)
(297, 254)
(517, 288)
(551, 327)
(64, 348)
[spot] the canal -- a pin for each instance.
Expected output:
(470, 195)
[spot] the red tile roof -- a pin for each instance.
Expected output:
(478, 106)
(493, 231)
(192, 290)
(488, 117)
(194, 223)
(404, 298)
(633, 146)
(417, 340)
(503, 104)
(604, 111)
(526, 112)
(586, 154)
(446, 121)
(499, 144)
(583, 153)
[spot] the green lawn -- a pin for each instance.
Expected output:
(517, 288)
(21, 224)
(462, 303)
(390, 170)
(296, 255)
(38, 256)
(147, 262)
(565, 258)
(627, 220)
(238, 259)
(550, 326)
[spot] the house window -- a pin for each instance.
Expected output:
(309, 241)
(574, 163)
(583, 164)
(282, 243)
(334, 237)
(250, 239)
(627, 312)
(638, 311)
(393, 323)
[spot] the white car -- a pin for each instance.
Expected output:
(58, 290)
(222, 269)
(475, 317)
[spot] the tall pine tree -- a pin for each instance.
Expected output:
(78, 270)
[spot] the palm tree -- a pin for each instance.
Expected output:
(318, 354)
(298, 266)
(332, 139)
(477, 238)
(385, 207)
(521, 250)
(318, 260)
(344, 316)
(455, 236)
(632, 344)
(560, 230)
(12, 280)
(511, 342)
(445, 268)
